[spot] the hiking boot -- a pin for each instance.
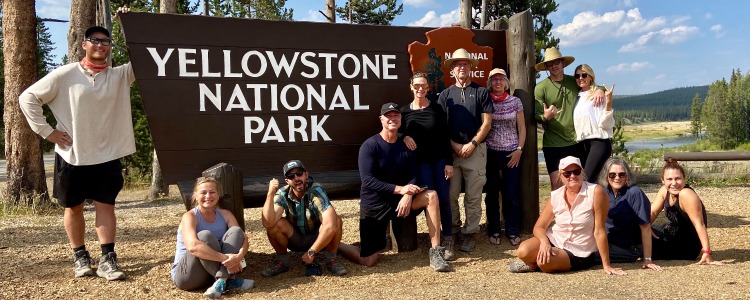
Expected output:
(82, 262)
(108, 268)
(468, 243)
(336, 268)
(436, 260)
(239, 283)
(219, 286)
(280, 265)
(519, 267)
(449, 252)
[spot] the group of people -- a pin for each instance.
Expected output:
(610, 221)
(425, 154)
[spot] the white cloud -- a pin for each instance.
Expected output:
(313, 16)
(628, 67)
(680, 20)
(669, 36)
(431, 19)
(419, 3)
(588, 27)
(55, 9)
(718, 30)
(708, 16)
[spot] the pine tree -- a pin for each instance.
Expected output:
(373, 12)
(618, 140)
(695, 116)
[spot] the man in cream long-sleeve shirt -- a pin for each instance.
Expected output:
(91, 103)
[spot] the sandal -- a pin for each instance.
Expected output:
(495, 239)
(514, 240)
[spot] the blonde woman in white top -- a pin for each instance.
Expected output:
(594, 124)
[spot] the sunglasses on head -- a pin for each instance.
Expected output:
(613, 175)
(576, 172)
(295, 174)
(579, 76)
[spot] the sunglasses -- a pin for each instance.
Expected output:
(496, 79)
(579, 76)
(98, 41)
(295, 174)
(614, 175)
(422, 86)
(576, 172)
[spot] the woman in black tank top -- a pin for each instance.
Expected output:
(685, 236)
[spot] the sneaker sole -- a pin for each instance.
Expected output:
(88, 272)
(111, 278)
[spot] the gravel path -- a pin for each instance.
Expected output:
(36, 260)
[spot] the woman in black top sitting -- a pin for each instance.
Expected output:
(685, 236)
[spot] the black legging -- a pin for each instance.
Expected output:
(597, 151)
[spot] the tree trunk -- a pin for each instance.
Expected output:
(23, 148)
(484, 14)
(158, 188)
(521, 55)
(466, 14)
(82, 16)
(331, 11)
(168, 7)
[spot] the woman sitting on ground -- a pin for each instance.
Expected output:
(629, 217)
(579, 210)
(685, 236)
(210, 245)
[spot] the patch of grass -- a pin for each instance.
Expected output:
(36, 207)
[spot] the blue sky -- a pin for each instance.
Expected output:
(641, 46)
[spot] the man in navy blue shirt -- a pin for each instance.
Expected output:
(387, 169)
(469, 110)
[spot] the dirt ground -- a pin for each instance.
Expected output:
(36, 262)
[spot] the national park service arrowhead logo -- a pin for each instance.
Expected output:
(441, 43)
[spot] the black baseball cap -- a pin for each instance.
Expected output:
(291, 165)
(390, 106)
(94, 29)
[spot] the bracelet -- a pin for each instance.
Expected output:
(708, 251)
(646, 258)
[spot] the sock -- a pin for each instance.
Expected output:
(107, 248)
(75, 250)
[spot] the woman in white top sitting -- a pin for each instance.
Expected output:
(593, 124)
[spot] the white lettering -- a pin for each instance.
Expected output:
(310, 65)
(293, 128)
(239, 98)
(206, 92)
(339, 100)
(228, 65)
(358, 106)
(317, 129)
(328, 57)
(184, 62)
(342, 61)
(300, 97)
(373, 66)
(205, 65)
(246, 67)
(161, 62)
(250, 129)
(282, 63)
(273, 133)
(257, 87)
(388, 66)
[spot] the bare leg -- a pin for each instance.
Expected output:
(428, 199)
(333, 245)
(528, 250)
(75, 225)
(105, 222)
(352, 254)
(279, 235)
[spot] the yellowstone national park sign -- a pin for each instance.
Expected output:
(255, 93)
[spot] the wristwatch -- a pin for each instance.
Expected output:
(311, 253)
(519, 148)
(473, 142)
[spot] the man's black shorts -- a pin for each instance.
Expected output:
(373, 226)
(75, 184)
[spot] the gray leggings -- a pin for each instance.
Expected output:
(194, 273)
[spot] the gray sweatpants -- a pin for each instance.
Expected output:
(194, 273)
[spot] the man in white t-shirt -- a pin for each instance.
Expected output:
(91, 103)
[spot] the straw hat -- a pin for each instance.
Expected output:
(461, 54)
(551, 54)
(497, 71)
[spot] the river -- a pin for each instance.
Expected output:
(637, 145)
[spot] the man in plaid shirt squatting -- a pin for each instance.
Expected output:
(299, 217)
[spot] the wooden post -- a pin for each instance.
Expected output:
(521, 56)
(331, 11)
(405, 233)
(466, 14)
(484, 14)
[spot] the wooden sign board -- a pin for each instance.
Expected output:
(255, 94)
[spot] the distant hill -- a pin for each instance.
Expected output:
(669, 105)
